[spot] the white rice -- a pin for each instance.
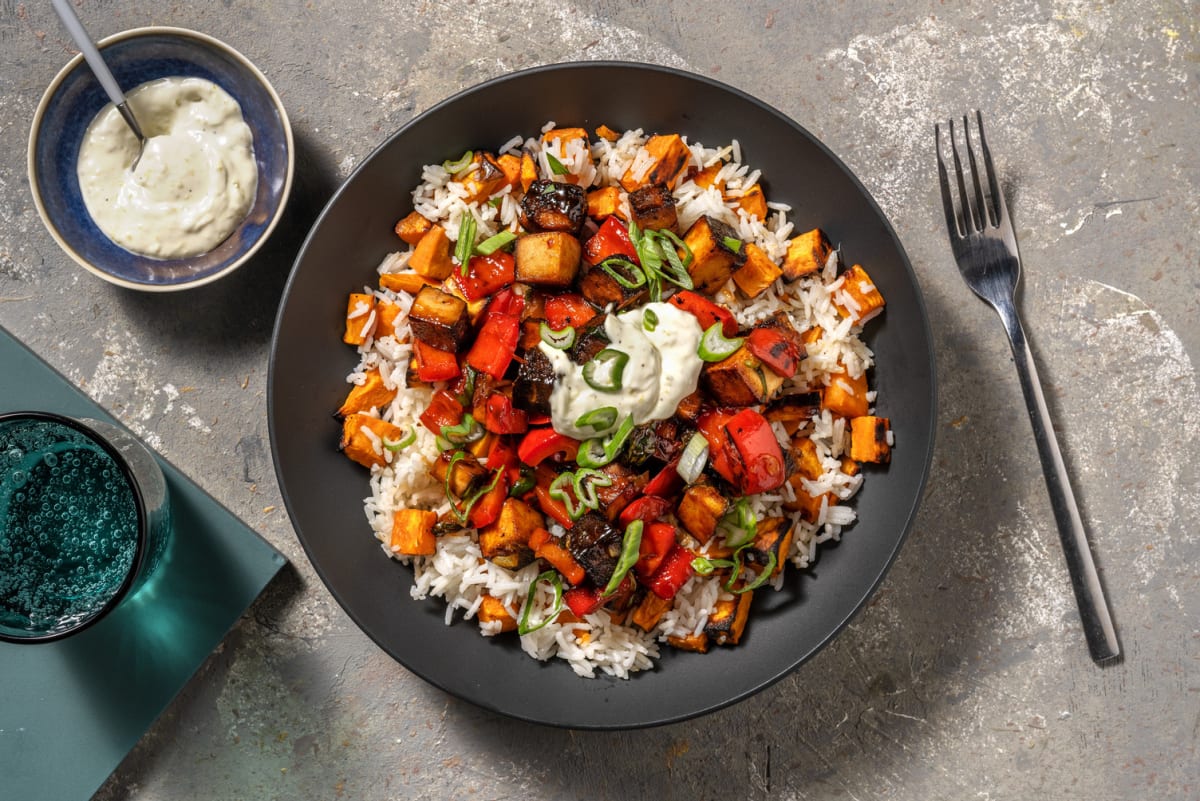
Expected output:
(458, 573)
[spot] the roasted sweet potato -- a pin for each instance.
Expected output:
(439, 318)
(600, 287)
(649, 611)
(864, 302)
(727, 621)
(431, 257)
(772, 543)
(371, 394)
(385, 325)
(360, 318)
(361, 447)
(548, 259)
(693, 642)
(753, 202)
(741, 379)
(413, 227)
(662, 160)
(411, 283)
(869, 439)
(806, 254)
(485, 179)
(846, 396)
(603, 202)
(700, 509)
(493, 610)
(758, 273)
(412, 532)
(467, 476)
(713, 258)
(506, 541)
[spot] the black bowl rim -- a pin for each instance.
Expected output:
(922, 312)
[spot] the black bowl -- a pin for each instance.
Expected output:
(323, 490)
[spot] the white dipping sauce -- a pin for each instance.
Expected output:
(662, 370)
(196, 179)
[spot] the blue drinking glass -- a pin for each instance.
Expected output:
(84, 521)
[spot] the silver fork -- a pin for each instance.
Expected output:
(985, 248)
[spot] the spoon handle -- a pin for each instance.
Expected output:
(84, 42)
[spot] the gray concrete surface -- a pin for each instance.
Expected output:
(966, 677)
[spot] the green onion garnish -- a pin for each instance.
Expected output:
(705, 566)
(493, 243)
(649, 320)
(559, 340)
(454, 167)
(658, 253)
(772, 560)
(599, 451)
(556, 166)
(624, 272)
(603, 372)
(468, 430)
(714, 346)
(586, 482)
(466, 242)
(600, 419)
(524, 484)
(733, 244)
(403, 442)
(628, 558)
(555, 580)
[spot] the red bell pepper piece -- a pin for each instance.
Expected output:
(583, 600)
(722, 454)
(506, 301)
(705, 311)
(667, 483)
(541, 443)
(568, 310)
(674, 571)
(443, 410)
(435, 364)
(648, 508)
(486, 275)
(775, 350)
(611, 240)
(553, 506)
(761, 456)
(657, 541)
(503, 454)
(503, 418)
(487, 509)
(496, 343)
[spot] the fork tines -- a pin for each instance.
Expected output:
(973, 212)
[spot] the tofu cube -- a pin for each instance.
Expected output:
(550, 258)
(741, 379)
(653, 207)
(439, 319)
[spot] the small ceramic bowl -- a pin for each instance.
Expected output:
(72, 102)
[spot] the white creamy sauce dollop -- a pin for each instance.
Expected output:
(662, 370)
(195, 181)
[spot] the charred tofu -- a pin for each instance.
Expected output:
(806, 254)
(653, 207)
(506, 541)
(439, 319)
(534, 383)
(550, 258)
(741, 379)
(591, 339)
(714, 257)
(553, 206)
(601, 287)
(595, 544)
(466, 476)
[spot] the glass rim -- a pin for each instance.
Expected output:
(143, 523)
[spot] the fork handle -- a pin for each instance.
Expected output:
(1089, 592)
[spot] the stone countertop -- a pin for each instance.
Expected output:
(966, 675)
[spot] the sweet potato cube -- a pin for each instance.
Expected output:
(846, 396)
(850, 467)
(404, 282)
(360, 318)
(713, 258)
(387, 313)
(529, 172)
(692, 642)
(607, 134)
(869, 439)
(812, 336)
(700, 509)
(794, 412)
(653, 207)
(649, 611)
(727, 621)
(753, 202)
(603, 202)
(771, 544)
(808, 506)
(758, 273)
(412, 532)
(362, 447)
(865, 300)
(510, 165)
(550, 258)
(806, 254)
(484, 179)
(667, 157)
(741, 379)
(439, 319)
(413, 227)
(431, 257)
(707, 177)
(493, 610)
(506, 541)
(371, 394)
(564, 135)
(808, 463)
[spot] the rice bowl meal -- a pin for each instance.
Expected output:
(606, 394)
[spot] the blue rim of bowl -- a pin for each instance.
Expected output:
(143, 520)
(75, 63)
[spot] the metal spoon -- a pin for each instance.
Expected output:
(90, 54)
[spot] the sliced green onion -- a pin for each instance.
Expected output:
(455, 167)
(468, 430)
(628, 558)
(599, 419)
(454, 460)
(693, 459)
(468, 391)
(495, 204)
(549, 189)
(603, 372)
(493, 243)
(556, 166)
(739, 525)
(599, 451)
(560, 340)
(555, 580)
(624, 272)
(466, 242)
(649, 320)
(444, 444)
(733, 244)
(714, 346)
(403, 442)
(705, 566)
(524, 484)
(765, 574)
